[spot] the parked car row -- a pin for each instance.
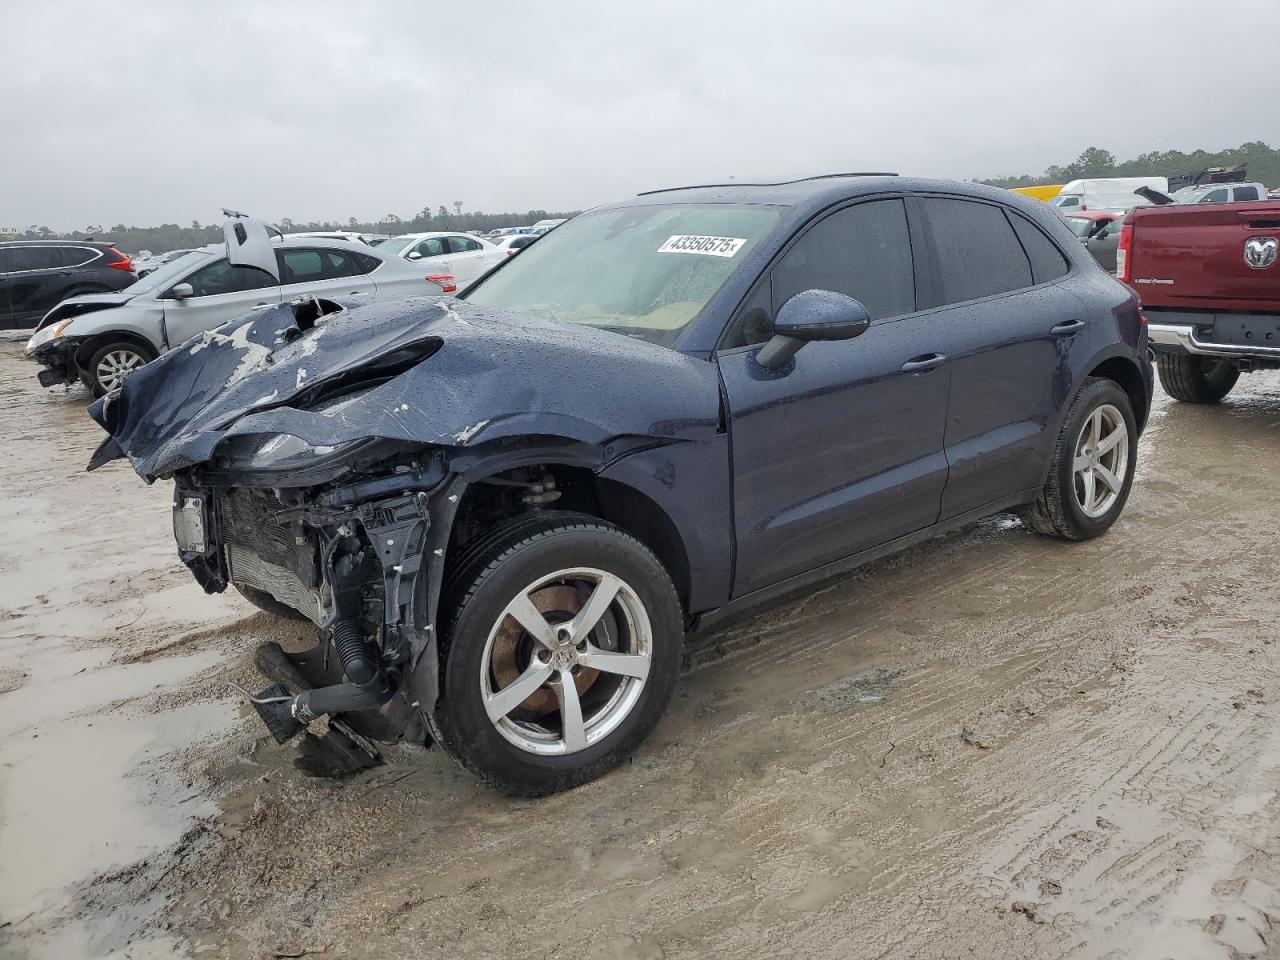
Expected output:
(503, 512)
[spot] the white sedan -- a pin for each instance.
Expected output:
(463, 256)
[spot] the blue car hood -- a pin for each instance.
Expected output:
(473, 375)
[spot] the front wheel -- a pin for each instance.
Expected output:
(1092, 470)
(1196, 379)
(111, 363)
(561, 654)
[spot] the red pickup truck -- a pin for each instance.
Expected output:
(1210, 287)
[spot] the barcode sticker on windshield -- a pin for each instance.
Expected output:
(707, 246)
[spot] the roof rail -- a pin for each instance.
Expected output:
(772, 183)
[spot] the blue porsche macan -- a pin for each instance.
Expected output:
(504, 512)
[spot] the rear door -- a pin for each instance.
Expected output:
(841, 449)
(1007, 328)
(221, 291)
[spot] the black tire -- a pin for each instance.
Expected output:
(488, 577)
(1056, 512)
(1195, 379)
(266, 602)
(91, 373)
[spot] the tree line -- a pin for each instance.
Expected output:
(173, 236)
(1263, 161)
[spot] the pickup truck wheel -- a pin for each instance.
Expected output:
(560, 654)
(112, 362)
(1195, 379)
(1092, 470)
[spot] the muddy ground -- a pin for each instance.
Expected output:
(994, 745)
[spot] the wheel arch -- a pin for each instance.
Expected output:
(91, 344)
(1124, 372)
(487, 499)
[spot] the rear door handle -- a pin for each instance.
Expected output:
(1068, 329)
(923, 363)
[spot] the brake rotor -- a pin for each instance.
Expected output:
(513, 648)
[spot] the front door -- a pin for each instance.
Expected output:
(841, 449)
(220, 291)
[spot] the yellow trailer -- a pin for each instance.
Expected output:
(1040, 193)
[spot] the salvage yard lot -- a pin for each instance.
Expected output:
(992, 745)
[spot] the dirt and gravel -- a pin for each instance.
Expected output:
(994, 745)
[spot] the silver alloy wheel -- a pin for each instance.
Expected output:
(116, 365)
(1101, 461)
(559, 653)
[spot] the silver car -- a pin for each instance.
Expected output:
(99, 339)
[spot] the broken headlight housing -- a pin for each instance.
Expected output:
(280, 453)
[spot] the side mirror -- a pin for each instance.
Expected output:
(181, 291)
(812, 315)
(415, 255)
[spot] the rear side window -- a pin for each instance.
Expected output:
(863, 251)
(339, 263)
(977, 252)
(77, 256)
(463, 244)
(1246, 193)
(223, 277)
(365, 263)
(1047, 261)
(301, 266)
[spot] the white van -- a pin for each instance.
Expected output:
(1106, 193)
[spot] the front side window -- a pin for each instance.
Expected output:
(977, 253)
(643, 270)
(463, 244)
(34, 258)
(224, 277)
(863, 251)
(77, 256)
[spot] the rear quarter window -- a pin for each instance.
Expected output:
(1047, 261)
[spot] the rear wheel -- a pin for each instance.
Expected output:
(112, 362)
(1092, 470)
(1196, 379)
(561, 654)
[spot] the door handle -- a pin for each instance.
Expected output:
(1070, 328)
(923, 363)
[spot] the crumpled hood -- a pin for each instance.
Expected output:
(492, 374)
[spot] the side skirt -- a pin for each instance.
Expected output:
(750, 602)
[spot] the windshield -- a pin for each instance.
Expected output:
(162, 276)
(644, 271)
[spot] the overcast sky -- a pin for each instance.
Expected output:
(148, 112)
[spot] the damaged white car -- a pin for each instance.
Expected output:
(99, 339)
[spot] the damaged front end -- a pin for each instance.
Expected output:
(345, 555)
(319, 459)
